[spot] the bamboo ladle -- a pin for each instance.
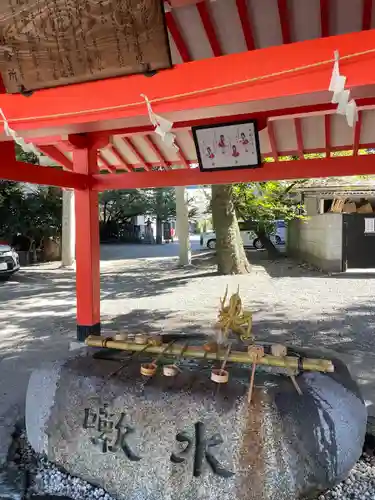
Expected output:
(220, 375)
(256, 352)
(149, 369)
(172, 370)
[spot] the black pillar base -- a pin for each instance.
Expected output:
(84, 331)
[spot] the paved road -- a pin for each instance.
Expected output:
(121, 252)
(143, 289)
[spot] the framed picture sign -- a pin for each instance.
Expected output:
(227, 146)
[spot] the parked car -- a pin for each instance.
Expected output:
(249, 237)
(9, 260)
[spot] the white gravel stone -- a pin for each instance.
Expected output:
(360, 485)
(49, 480)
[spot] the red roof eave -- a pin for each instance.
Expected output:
(187, 86)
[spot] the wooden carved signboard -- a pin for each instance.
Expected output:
(48, 43)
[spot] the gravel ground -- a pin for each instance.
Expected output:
(45, 479)
(50, 480)
(360, 484)
(290, 303)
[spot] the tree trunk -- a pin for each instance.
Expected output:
(272, 251)
(159, 231)
(231, 257)
(182, 221)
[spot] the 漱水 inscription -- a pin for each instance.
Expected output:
(111, 433)
(204, 445)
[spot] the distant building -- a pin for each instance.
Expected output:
(318, 195)
(339, 231)
(199, 198)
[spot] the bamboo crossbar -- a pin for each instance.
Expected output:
(197, 352)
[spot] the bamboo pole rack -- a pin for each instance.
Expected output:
(197, 352)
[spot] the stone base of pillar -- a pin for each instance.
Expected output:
(84, 331)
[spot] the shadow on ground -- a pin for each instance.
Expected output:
(340, 332)
(284, 266)
(48, 298)
(43, 322)
(37, 309)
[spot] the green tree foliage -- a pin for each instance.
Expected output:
(34, 214)
(117, 208)
(11, 200)
(121, 206)
(265, 202)
(26, 157)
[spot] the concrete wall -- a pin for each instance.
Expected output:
(317, 240)
(311, 204)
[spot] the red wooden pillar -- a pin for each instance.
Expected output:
(87, 245)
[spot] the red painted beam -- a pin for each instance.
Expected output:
(104, 100)
(261, 117)
(367, 14)
(116, 153)
(272, 138)
(44, 141)
(346, 147)
(327, 133)
(209, 28)
(297, 125)
(64, 145)
(106, 163)
(182, 156)
(156, 150)
(13, 170)
(154, 164)
(137, 153)
(324, 17)
(56, 155)
(175, 32)
(245, 23)
(300, 169)
(357, 134)
(284, 20)
(78, 141)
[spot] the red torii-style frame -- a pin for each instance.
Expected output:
(85, 117)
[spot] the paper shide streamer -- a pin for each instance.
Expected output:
(26, 146)
(162, 126)
(341, 96)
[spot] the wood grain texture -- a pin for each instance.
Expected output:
(48, 43)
